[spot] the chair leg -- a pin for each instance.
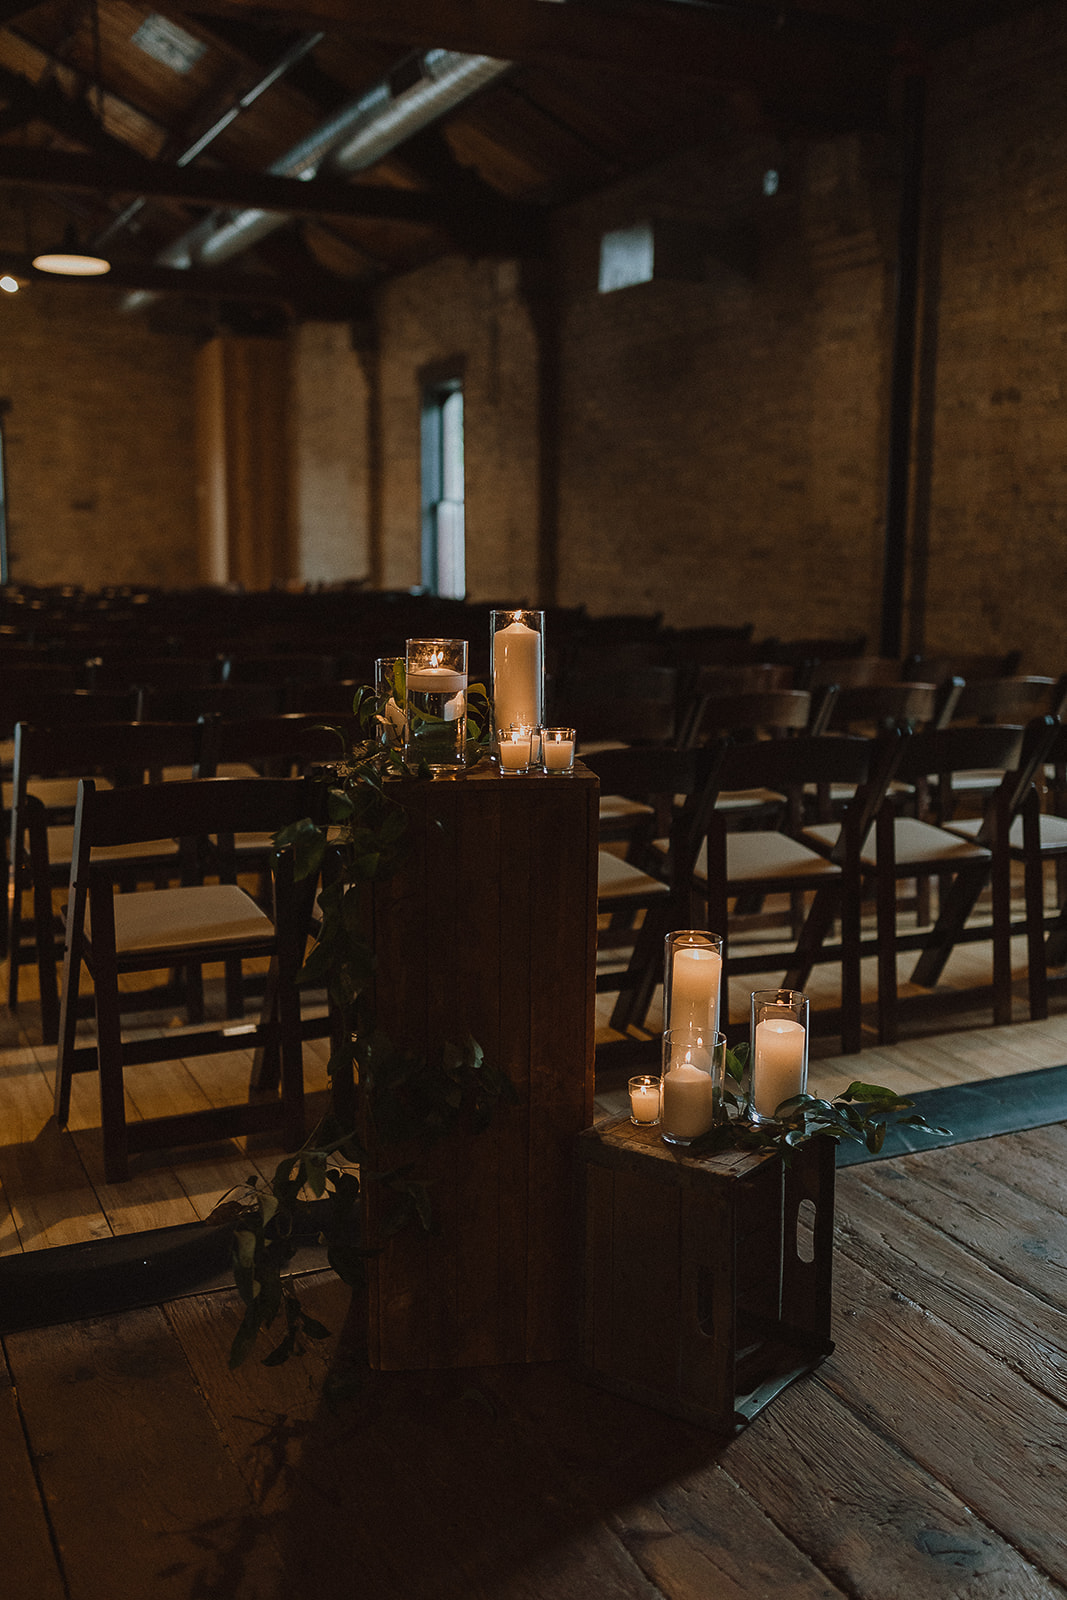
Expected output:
(956, 907)
(1001, 883)
(817, 925)
(109, 1059)
(1034, 891)
(68, 1010)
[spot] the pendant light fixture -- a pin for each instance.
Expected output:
(69, 260)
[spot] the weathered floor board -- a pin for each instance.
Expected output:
(925, 1458)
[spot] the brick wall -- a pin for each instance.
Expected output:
(99, 441)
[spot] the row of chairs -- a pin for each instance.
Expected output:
(691, 867)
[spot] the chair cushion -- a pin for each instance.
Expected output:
(747, 799)
(917, 844)
(166, 919)
(61, 848)
(764, 857)
(616, 879)
(1052, 831)
(616, 808)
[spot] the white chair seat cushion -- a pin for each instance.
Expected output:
(747, 799)
(917, 844)
(988, 779)
(617, 878)
(1052, 831)
(172, 919)
(61, 848)
(762, 857)
(616, 808)
(226, 769)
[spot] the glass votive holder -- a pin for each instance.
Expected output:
(389, 699)
(692, 1084)
(557, 749)
(778, 1060)
(644, 1100)
(515, 749)
(435, 728)
(517, 648)
(692, 980)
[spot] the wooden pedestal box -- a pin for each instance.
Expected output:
(707, 1282)
(490, 930)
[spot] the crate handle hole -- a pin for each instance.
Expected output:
(806, 1216)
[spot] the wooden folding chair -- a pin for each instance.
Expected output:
(114, 934)
(643, 901)
(909, 847)
(48, 764)
(741, 865)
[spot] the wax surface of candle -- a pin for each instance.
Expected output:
(559, 755)
(436, 680)
(695, 978)
(778, 1065)
(644, 1103)
(688, 1108)
(516, 674)
(514, 754)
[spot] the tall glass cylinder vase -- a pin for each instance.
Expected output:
(692, 977)
(517, 646)
(436, 710)
(778, 1062)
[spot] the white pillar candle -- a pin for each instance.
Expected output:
(558, 754)
(778, 1067)
(644, 1102)
(696, 974)
(688, 1108)
(516, 674)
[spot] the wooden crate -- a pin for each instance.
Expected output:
(707, 1283)
(491, 930)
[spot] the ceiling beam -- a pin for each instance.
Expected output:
(832, 69)
(321, 197)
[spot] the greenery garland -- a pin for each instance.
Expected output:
(403, 1099)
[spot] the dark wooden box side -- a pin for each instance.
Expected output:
(696, 1300)
(491, 930)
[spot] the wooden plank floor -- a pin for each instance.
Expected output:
(924, 1459)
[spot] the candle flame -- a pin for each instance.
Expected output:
(436, 657)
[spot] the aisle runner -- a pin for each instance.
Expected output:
(975, 1111)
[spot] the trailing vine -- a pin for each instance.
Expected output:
(399, 1098)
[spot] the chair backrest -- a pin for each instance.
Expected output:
(123, 752)
(191, 808)
(679, 785)
(1017, 752)
(280, 669)
(935, 668)
(776, 712)
(636, 706)
(858, 707)
(275, 745)
(855, 670)
(134, 671)
(1005, 699)
(226, 699)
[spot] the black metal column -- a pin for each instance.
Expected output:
(902, 386)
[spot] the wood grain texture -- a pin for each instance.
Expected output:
(28, 1561)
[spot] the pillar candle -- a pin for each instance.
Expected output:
(688, 1109)
(694, 1000)
(778, 1068)
(516, 675)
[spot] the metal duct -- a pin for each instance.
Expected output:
(354, 138)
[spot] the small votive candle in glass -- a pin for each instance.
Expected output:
(778, 1065)
(557, 749)
(690, 1064)
(692, 978)
(515, 749)
(644, 1100)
